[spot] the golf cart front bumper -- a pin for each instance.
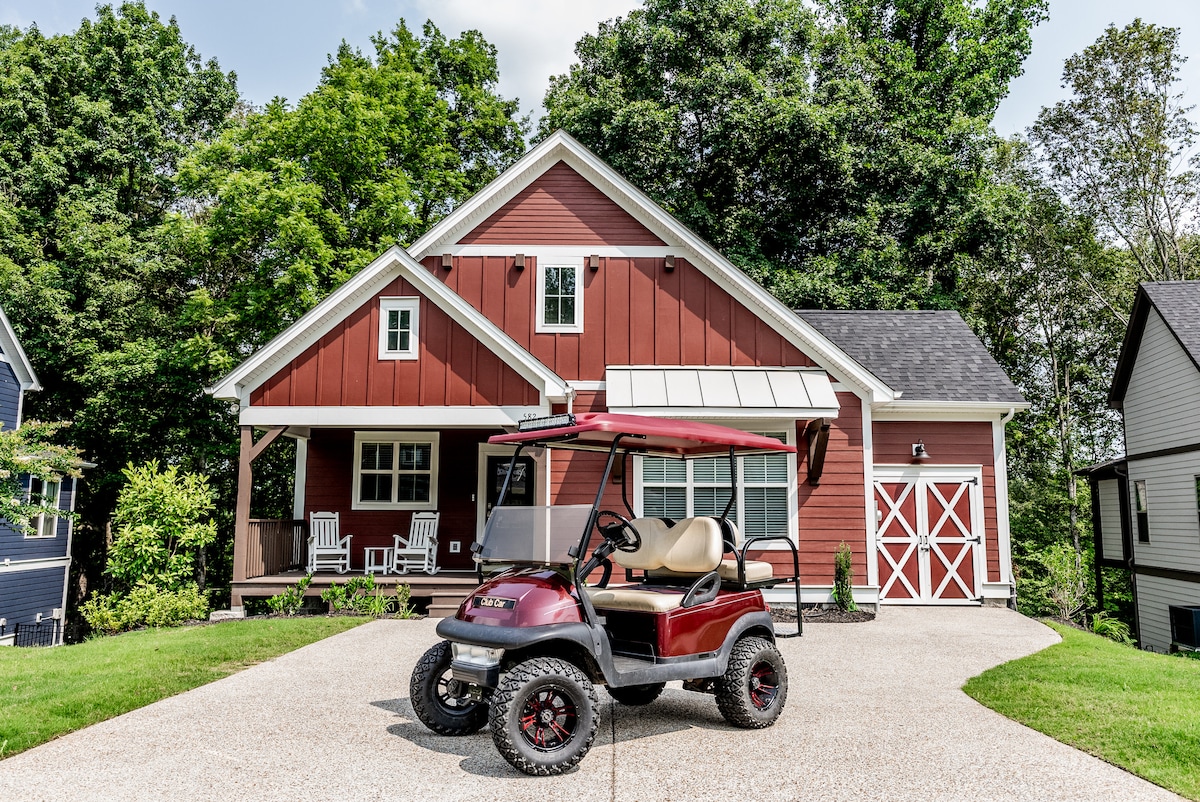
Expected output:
(478, 648)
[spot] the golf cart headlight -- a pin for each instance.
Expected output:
(479, 655)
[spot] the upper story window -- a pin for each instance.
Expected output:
(395, 470)
(1141, 506)
(398, 329)
(47, 494)
(560, 295)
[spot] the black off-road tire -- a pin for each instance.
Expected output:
(635, 695)
(543, 716)
(437, 699)
(753, 690)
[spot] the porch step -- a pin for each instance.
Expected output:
(446, 602)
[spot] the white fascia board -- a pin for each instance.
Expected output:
(391, 417)
(560, 146)
(15, 355)
(944, 410)
(368, 282)
(728, 413)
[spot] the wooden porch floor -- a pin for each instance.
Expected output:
(442, 592)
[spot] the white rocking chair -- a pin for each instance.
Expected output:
(419, 549)
(326, 547)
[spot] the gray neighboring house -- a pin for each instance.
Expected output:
(1146, 505)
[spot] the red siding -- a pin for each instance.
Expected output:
(561, 208)
(344, 368)
(635, 313)
(330, 486)
(948, 443)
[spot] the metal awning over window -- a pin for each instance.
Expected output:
(719, 392)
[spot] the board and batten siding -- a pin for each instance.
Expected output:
(1174, 521)
(1109, 500)
(1154, 595)
(10, 397)
(344, 369)
(24, 594)
(1162, 402)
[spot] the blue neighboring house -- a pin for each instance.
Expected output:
(34, 566)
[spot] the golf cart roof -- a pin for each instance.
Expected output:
(596, 431)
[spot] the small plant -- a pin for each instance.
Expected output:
(292, 599)
(1112, 628)
(843, 578)
(361, 595)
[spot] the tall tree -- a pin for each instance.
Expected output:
(1118, 149)
(836, 154)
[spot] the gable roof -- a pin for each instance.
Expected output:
(1178, 303)
(368, 282)
(12, 353)
(562, 147)
(926, 355)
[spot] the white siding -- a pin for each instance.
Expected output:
(1155, 595)
(1162, 403)
(1109, 499)
(1173, 516)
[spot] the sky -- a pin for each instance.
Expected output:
(279, 48)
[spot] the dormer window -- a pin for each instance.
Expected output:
(560, 295)
(398, 318)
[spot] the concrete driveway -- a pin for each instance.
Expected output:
(874, 713)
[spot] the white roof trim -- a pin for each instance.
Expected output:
(560, 146)
(389, 417)
(705, 391)
(16, 355)
(365, 284)
(945, 410)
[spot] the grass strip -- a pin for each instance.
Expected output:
(45, 693)
(1134, 709)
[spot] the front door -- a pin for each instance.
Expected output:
(520, 490)
(930, 535)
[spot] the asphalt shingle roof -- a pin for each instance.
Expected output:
(1179, 304)
(926, 355)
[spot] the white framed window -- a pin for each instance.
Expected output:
(765, 503)
(559, 295)
(47, 494)
(395, 470)
(398, 328)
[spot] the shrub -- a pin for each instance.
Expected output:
(361, 595)
(292, 599)
(1112, 628)
(843, 578)
(144, 606)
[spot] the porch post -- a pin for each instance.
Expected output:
(248, 452)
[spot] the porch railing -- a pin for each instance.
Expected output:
(275, 546)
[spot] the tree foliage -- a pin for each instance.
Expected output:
(836, 154)
(30, 451)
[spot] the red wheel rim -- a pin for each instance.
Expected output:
(764, 684)
(548, 719)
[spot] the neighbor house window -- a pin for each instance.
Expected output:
(398, 338)
(1142, 508)
(395, 470)
(560, 296)
(677, 489)
(45, 494)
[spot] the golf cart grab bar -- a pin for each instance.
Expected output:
(795, 573)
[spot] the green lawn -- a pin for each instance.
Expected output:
(1134, 709)
(45, 693)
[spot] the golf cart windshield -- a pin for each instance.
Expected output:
(539, 535)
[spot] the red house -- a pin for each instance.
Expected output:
(562, 287)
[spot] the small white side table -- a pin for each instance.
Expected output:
(377, 559)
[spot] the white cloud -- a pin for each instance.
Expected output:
(534, 39)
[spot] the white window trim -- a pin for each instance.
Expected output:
(541, 327)
(433, 438)
(787, 426)
(413, 306)
(38, 520)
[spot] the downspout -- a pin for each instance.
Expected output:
(1004, 419)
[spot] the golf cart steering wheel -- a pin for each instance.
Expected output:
(632, 540)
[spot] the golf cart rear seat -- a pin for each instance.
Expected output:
(686, 550)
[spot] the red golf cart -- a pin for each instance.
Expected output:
(527, 648)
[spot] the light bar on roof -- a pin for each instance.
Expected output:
(548, 422)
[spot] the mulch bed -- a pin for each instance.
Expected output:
(815, 615)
